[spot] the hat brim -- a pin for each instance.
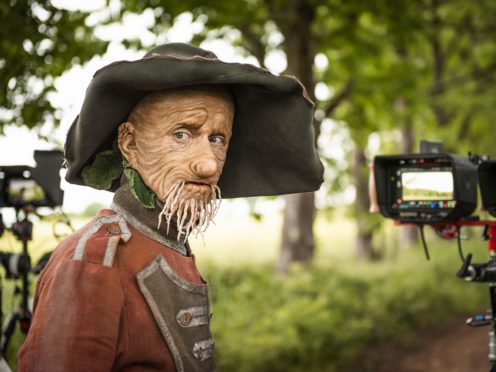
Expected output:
(272, 149)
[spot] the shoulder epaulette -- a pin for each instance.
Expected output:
(98, 243)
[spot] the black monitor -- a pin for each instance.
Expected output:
(22, 185)
(425, 188)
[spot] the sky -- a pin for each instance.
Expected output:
(436, 181)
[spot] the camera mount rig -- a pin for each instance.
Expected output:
(18, 266)
(484, 272)
(24, 189)
(440, 190)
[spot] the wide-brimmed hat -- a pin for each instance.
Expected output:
(272, 149)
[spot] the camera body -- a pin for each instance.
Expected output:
(426, 188)
(22, 185)
(487, 185)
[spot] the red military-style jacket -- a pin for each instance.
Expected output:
(120, 295)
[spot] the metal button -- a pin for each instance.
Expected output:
(114, 229)
(199, 353)
(187, 318)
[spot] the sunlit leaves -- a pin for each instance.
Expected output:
(38, 42)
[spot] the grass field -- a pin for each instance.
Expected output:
(230, 241)
(234, 240)
(248, 241)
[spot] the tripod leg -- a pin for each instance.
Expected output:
(492, 333)
(4, 367)
(7, 331)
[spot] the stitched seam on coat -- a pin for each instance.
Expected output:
(179, 280)
(81, 244)
(142, 275)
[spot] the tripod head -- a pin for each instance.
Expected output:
(23, 227)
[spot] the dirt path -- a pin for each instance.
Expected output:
(452, 347)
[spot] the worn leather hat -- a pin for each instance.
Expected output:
(272, 149)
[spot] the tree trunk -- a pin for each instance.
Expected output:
(363, 244)
(408, 234)
(294, 19)
(297, 243)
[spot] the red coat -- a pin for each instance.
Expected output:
(113, 299)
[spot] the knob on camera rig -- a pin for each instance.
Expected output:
(24, 189)
(440, 190)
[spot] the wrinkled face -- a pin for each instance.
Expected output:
(179, 134)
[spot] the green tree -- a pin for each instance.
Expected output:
(421, 67)
(429, 76)
(38, 42)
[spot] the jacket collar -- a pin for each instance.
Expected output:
(146, 220)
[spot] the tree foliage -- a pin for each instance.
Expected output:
(38, 42)
(417, 68)
(423, 67)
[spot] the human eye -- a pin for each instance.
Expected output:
(181, 135)
(217, 140)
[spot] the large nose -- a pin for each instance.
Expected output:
(204, 164)
(205, 167)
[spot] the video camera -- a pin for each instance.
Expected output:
(22, 185)
(25, 188)
(429, 188)
(440, 189)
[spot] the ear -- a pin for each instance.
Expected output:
(127, 143)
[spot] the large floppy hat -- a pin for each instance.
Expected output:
(272, 149)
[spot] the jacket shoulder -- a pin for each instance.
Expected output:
(98, 242)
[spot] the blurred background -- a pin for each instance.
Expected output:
(311, 280)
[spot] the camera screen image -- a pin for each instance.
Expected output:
(425, 188)
(25, 191)
(428, 186)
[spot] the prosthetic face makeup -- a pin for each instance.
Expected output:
(177, 141)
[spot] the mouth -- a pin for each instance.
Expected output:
(197, 185)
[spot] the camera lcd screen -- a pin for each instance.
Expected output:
(425, 188)
(433, 185)
(24, 191)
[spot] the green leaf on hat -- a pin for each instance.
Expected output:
(106, 167)
(139, 189)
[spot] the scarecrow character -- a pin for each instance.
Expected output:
(170, 134)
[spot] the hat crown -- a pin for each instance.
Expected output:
(179, 50)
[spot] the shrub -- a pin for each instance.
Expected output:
(321, 319)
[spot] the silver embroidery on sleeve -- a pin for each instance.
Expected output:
(204, 349)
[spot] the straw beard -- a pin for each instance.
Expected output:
(192, 215)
